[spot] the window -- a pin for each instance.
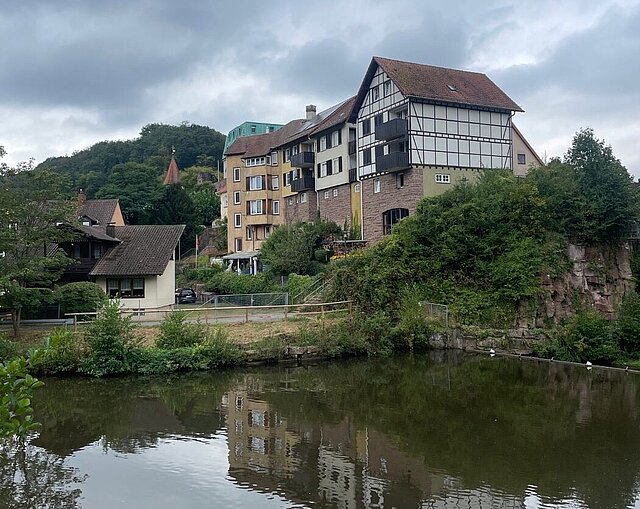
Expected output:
(356, 188)
(386, 88)
(391, 217)
(376, 185)
(238, 244)
(335, 138)
(286, 178)
(267, 231)
(400, 180)
(128, 288)
(443, 178)
(237, 220)
(253, 129)
(378, 119)
(256, 183)
(366, 126)
(276, 207)
(335, 192)
(256, 161)
(255, 207)
(322, 169)
(289, 201)
(303, 198)
(287, 155)
(522, 158)
(366, 156)
(97, 251)
(275, 182)
(236, 197)
(249, 233)
(375, 93)
(326, 195)
(336, 165)
(236, 174)
(323, 144)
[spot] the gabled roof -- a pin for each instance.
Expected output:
(262, 144)
(173, 175)
(144, 250)
(524, 140)
(331, 117)
(439, 84)
(95, 232)
(100, 211)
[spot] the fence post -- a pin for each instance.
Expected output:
(246, 315)
(75, 323)
(215, 301)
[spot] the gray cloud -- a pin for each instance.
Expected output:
(76, 72)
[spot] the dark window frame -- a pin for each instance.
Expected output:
(131, 293)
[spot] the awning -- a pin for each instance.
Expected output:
(241, 255)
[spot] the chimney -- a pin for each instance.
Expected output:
(311, 111)
(111, 229)
(82, 197)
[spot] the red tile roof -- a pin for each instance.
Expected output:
(438, 84)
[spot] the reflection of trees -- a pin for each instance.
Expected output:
(32, 477)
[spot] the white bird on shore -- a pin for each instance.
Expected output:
(588, 364)
(492, 352)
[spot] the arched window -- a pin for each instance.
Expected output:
(391, 217)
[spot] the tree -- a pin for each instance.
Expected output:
(206, 203)
(138, 188)
(176, 207)
(610, 196)
(31, 204)
(291, 249)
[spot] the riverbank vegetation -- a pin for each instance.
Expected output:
(484, 249)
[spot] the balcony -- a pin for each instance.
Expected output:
(303, 160)
(353, 174)
(304, 183)
(395, 128)
(393, 162)
(352, 147)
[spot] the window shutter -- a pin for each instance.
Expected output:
(340, 164)
(328, 136)
(264, 206)
(318, 145)
(248, 185)
(329, 167)
(248, 207)
(318, 171)
(340, 137)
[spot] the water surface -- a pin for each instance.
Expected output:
(434, 431)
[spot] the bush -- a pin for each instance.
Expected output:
(110, 339)
(79, 297)
(412, 330)
(176, 332)
(627, 328)
(587, 337)
(8, 348)
(62, 352)
(225, 283)
(16, 391)
(298, 286)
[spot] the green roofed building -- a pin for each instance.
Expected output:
(249, 129)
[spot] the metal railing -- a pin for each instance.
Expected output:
(436, 311)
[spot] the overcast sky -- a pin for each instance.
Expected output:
(76, 72)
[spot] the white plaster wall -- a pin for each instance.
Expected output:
(341, 150)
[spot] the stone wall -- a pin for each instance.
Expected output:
(296, 212)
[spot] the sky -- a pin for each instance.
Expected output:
(76, 72)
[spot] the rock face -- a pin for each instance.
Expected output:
(600, 276)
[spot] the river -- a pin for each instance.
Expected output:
(440, 430)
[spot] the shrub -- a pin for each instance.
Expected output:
(412, 330)
(298, 286)
(224, 283)
(16, 391)
(587, 337)
(627, 328)
(110, 339)
(8, 348)
(176, 332)
(62, 352)
(79, 297)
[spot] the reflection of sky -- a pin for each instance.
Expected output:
(186, 474)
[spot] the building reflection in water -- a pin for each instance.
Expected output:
(333, 464)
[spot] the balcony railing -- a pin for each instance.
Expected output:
(393, 162)
(304, 183)
(352, 147)
(303, 160)
(353, 174)
(395, 128)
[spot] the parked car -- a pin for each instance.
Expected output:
(185, 296)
